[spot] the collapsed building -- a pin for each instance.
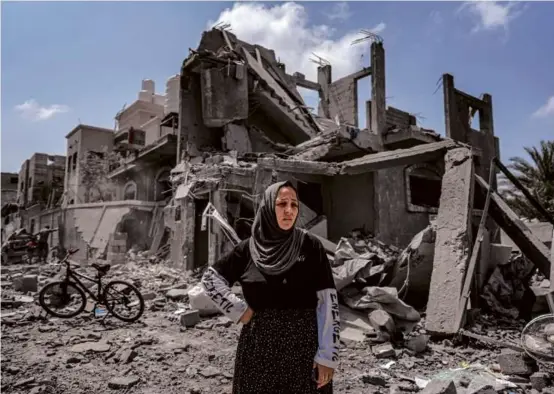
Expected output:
(234, 122)
(243, 125)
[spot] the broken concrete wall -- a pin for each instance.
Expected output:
(237, 138)
(88, 226)
(394, 224)
(343, 100)
(348, 204)
(224, 94)
(194, 136)
(145, 178)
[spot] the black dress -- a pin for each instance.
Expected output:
(276, 349)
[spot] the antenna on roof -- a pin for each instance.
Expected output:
(222, 26)
(368, 35)
(320, 61)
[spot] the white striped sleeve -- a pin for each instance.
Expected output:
(219, 291)
(328, 328)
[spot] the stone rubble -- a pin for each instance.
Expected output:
(175, 348)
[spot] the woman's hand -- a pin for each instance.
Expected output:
(324, 374)
(246, 316)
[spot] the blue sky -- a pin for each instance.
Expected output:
(68, 63)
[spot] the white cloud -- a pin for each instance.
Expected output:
(339, 12)
(436, 17)
(546, 110)
(285, 28)
(31, 109)
(491, 15)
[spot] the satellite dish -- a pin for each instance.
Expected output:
(537, 338)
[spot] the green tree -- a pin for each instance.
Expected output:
(537, 175)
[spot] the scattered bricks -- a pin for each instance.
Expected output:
(383, 351)
(381, 321)
(513, 363)
(177, 294)
(440, 387)
(417, 344)
(190, 318)
(540, 380)
(123, 382)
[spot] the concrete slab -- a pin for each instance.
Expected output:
(527, 242)
(452, 244)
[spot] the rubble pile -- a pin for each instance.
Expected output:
(179, 347)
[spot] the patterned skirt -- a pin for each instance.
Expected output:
(275, 354)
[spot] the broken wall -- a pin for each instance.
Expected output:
(194, 136)
(88, 226)
(343, 100)
(349, 204)
(145, 177)
(394, 224)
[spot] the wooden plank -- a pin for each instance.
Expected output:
(452, 243)
(532, 247)
(397, 158)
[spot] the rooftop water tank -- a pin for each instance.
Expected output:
(145, 95)
(172, 94)
(149, 86)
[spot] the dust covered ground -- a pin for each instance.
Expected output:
(156, 355)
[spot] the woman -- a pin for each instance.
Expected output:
(289, 341)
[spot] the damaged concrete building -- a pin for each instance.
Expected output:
(244, 124)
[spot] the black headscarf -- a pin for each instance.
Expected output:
(274, 250)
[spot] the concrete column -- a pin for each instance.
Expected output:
(378, 91)
(324, 79)
(452, 244)
(452, 125)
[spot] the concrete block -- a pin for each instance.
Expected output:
(190, 318)
(452, 244)
(539, 380)
(417, 344)
(383, 351)
(513, 362)
(440, 387)
(177, 294)
(381, 321)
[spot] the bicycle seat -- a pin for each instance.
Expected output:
(103, 268)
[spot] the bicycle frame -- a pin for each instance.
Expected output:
(75, 276)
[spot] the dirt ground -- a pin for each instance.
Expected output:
(156, 355)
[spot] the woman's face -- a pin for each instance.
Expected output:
(286, 207)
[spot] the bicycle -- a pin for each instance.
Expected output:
(72, 291)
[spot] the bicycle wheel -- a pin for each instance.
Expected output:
(114, 297)
(64, 294)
